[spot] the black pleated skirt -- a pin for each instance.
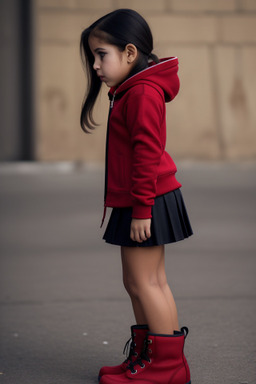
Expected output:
(169, 223)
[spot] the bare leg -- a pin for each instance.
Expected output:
(162, 280)
(137, 308)
(142, 270)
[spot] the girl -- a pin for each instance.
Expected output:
(140, 185)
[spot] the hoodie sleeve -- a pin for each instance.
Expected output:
(145, 112)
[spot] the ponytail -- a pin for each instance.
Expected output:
(153, 57)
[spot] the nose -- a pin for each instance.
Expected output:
(96, 65)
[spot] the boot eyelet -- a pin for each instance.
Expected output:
(149, 350)
(136, 354)
(150, 341)
(134, 373)
(142, 366)
(149, 361)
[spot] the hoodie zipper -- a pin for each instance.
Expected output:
(106, 158)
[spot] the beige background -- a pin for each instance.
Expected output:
(214, 115)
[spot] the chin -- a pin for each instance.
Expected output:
(110, 84)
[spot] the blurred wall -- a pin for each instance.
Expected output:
(16, 76)
(214, 115)
(9, 140)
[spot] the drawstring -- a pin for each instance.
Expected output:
(106, 159)
(104, 215)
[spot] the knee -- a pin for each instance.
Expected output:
(162, 281)
(137, 288)
(130, 286)
(163, 284)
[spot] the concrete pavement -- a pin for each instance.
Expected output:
(64, 312)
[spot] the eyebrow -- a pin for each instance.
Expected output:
(99, 49)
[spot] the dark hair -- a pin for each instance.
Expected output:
(118, 28)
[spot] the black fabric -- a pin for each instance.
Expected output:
(169, 223)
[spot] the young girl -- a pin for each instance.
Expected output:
(140, 185)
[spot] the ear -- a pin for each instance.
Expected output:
(131, 52)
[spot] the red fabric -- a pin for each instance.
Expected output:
(139, 168)
(138, 335)
(167, 364)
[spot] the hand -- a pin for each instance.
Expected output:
(140, 230)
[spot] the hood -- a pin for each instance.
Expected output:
(164, 75)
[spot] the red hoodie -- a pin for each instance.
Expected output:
(137, 166)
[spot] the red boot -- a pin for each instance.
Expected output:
(138, 334)
(161, 362)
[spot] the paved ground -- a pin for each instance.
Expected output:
(64, 312)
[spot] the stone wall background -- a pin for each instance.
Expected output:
(214, 115)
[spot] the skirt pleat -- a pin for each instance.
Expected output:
(170, 223)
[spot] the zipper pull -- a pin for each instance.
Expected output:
(112, 101)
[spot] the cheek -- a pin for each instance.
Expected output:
(113, 63)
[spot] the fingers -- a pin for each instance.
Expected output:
(148, 233)
(140, 230)
(138, 236)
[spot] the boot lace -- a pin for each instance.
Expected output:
(129, 350)
(143, 357)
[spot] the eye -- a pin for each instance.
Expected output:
(102, 54)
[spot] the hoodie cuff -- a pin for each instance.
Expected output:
(141, 212)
